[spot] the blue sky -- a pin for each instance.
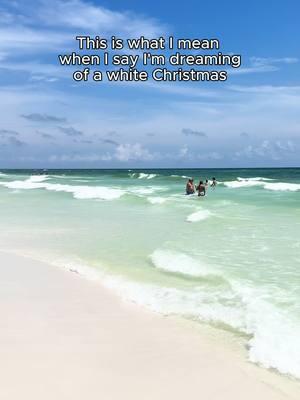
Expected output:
(48, 121)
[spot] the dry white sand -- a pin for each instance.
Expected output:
(62, 337)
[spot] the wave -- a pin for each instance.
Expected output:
(146, 176)
(86, 192)
(273, 336)
(264, 183)
(172, 261)
(243, 183)
(79, 192)
(257, 178)
(38, 178)
(156, 200)
(142, 175)
(283, 186)
(198, 216)
(274, 332)
(180, 176)
(143, 190)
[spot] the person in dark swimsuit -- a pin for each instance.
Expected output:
(214, 182)
(201, 189)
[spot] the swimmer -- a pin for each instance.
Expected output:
(201, 189)
(214, 182)
(190, 187)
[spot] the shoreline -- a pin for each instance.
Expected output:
(63, 336)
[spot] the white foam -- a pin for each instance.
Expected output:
(38, 178)
(79, 192)
(142, 175)
(194, 303)
(78, 266)
(263, 182)
(243, 183)
(173, 261)
(145, 190)
(199, 215)
(257, 178)
(180, 176)
(27, 184)
(275, 332)
(98, 192)
(146, 176)
(274, 341)
(156, 200)
(282, 186)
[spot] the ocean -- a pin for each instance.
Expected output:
(230, 259)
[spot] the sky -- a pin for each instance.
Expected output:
(50, 121)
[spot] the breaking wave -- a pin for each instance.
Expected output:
(265, 183)
(142, 175)
(156, 200)
(82, 191)
(176, 262)
(273, 337)
(79, 192)
(198, 216)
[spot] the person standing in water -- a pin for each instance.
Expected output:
(214, 182)
(190, 187)
(201, 189)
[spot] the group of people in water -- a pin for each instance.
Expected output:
(201, 187)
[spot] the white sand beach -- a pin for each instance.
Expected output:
(63, 337)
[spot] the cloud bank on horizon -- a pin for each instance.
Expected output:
(48, 120)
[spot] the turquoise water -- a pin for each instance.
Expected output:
(231, 259)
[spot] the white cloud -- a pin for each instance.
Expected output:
(287, 146)
(223, 112)
(136, 152)
(180, 89)
(263, 61)
(260, 65)
(3, 56)
(266, 89)
(123, 153)
(73, 158)
(83, 15)
(183, 152)
(23, 39)
(44, 27)
(213, 155)
(251, 70)
(71, 16)
(273, 150)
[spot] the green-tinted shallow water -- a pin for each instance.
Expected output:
(231, 258)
